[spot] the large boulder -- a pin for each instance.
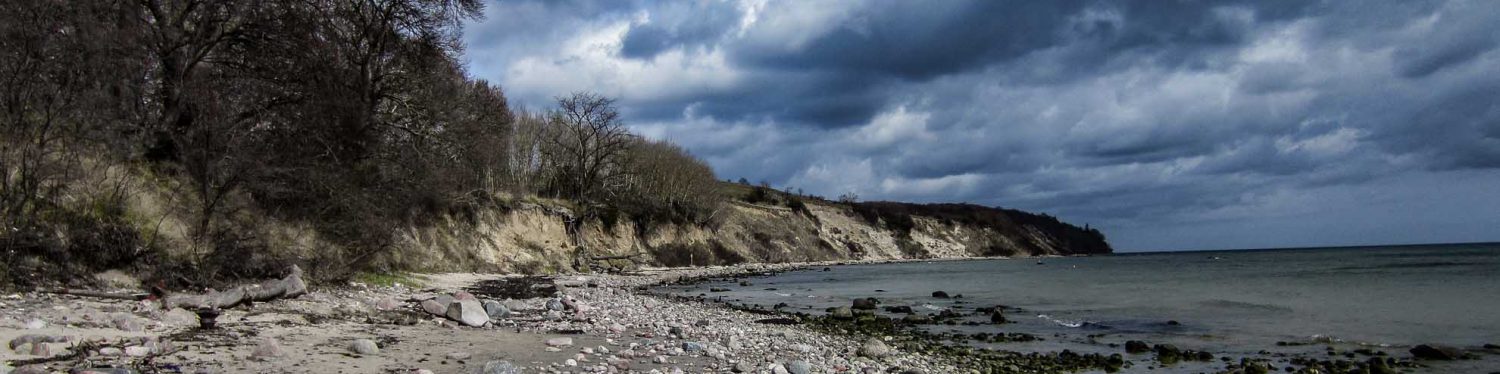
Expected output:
(1137, 346)
(469, 312)
(864, 303)
(940, 294)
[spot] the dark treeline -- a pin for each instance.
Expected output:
(352, 117)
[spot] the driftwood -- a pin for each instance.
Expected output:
(291, 286)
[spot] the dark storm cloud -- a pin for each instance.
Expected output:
(1129, 115)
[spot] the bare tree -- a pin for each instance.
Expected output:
(588, 141)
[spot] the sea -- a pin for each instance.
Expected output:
(1240, 303)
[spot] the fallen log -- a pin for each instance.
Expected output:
(290, 286)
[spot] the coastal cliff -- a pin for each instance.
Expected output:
(541, 236)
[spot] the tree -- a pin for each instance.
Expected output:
(588, 142)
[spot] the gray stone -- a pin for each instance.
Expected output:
(743, 367)
(496, 310)
(559, 342)
(692, 347)
(469, 312)
(864, 303)
(433, 307)
(799, 367)
(499, 367)
(111, 352)
(267, 349)
(874, 348)
(554, 304)
(516, 305)
(364, 347)
(137, 351)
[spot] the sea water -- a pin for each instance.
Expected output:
(1233, 303)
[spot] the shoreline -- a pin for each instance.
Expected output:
(597, 323)
(610, 324)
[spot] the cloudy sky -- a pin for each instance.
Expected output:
(1170, 125)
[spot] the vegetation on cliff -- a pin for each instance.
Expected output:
(198, 142)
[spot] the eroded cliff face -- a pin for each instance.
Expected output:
(534, 238)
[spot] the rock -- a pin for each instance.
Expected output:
(559, 342)
(469, 312)
(997, 318)
(842, 312)
(111, 352)
(464, 295)
(899, 309)
(940, 294)
(916, 319)
(799, 367)
(1167, 353)
(364, 347)
(516, 305)
(675, 331)
(499, 367)
(570, 362)
(874, 348)
(267, 349)
(180, 317)
(864, 303)
(496, 310)
(1436, 352)
(459, 356)
(386, 303)
(422, 371)
(1137, 346)
(554, 304)
(137, 351)
(434, 308)
(126, 322)
(660, 359)
(36, 324)
(743, 367)
(692, 346)
(444, 300)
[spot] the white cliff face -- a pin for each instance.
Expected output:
(534, 238)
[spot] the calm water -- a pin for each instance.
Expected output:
(1230, 302)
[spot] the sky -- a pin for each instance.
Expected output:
(1168, 125)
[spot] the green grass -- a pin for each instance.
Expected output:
(388, 279)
